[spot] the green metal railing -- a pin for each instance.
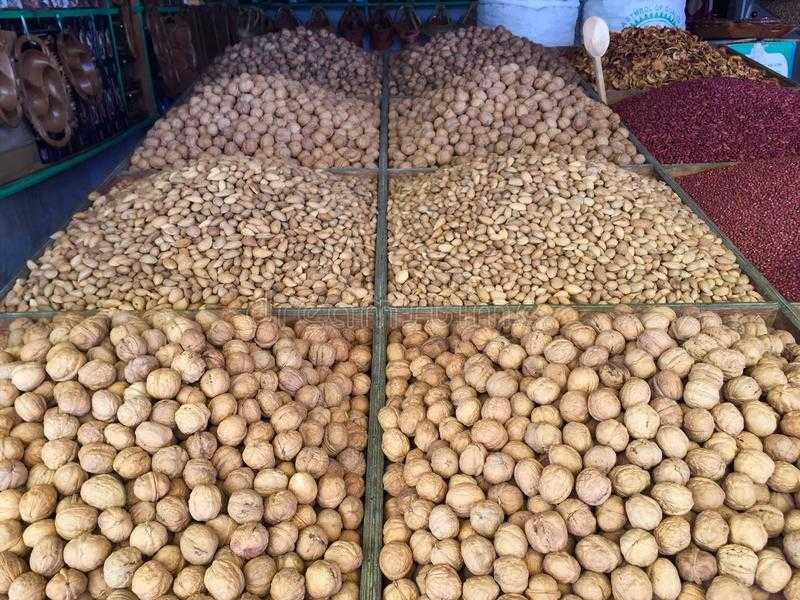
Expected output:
(57, 13)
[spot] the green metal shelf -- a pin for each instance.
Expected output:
(56, 13)
(24, 183)
(60, 14)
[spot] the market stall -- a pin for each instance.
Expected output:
(432, 324)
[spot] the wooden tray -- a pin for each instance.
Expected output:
(726, 29)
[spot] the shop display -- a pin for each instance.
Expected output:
(639, 59)
(559, 454)
(381, 29)
(788, 10)
(219, 456)
(461, 52)
(45, 4)
(128, 27)
(318, 19)
(407, 25)
(174, 49)
(95, 48)
(715, 120)
(214, 27)
(352, 25)
(176, 440)
(438, 22)
(758, 28)
(470, 16)
(286, 19)
(536, 230)
(223, 232)
(251, 22)
(755, 205)
(66, 78)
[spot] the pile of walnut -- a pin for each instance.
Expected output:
(641, 58)
(161, 457)
(531, 229)
(463, 51)
(312, 101)
(318, 57)
(224, 232)
(270, 118)
(468, 96)
(560, 455)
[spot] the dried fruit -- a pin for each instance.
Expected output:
(641, 58)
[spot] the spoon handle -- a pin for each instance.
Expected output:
(601, 83)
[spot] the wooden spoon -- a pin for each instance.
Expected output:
(595, 39)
